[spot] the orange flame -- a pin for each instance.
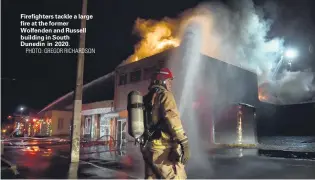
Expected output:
(262, 94)
(156, 36)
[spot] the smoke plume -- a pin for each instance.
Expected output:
(292, 87)
(238, 34)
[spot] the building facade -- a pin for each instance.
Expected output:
(101, 122)
(49, 123)
(108, 119)
(98, 120)
(54, 123)
(135, 76)
(213, 92)
(130, 77)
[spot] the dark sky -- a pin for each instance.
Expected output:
(40, 79)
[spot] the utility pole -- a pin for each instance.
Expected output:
(77, 104)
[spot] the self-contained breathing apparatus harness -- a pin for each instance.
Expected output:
(150, 128)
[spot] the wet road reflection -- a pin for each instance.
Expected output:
(45, 161)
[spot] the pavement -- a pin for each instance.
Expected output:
(125, 162)
(288, 143)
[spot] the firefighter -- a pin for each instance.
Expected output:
(167, 149)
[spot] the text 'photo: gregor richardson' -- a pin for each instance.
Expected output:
(42, 33)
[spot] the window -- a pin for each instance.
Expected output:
(122, 79)
(135, 76)
(148, 72)
(60, 123)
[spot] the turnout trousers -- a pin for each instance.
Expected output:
(158, 165)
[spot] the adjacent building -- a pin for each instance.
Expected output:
(54, 123)
(22, 125)
(97, 101)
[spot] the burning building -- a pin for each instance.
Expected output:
(218, 84)
(216, 92)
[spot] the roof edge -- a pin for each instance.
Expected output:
(70, 93)
(167, 51)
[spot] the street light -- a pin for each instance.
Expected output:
(21, 117)
(288, 54)
(291, 53)
(21, 109)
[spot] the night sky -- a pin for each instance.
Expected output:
(36, 80)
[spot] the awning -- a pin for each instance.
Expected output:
(106, 112)
(96, 111)
(111, 115)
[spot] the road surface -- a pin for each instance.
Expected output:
(34, 162)
(46, 161)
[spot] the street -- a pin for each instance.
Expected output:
(51, 161)
(47, 162)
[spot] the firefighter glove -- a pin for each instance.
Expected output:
(185, 152)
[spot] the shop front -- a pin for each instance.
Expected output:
(99, 123)
(38, 127)
(42, 127)
(122, 135)
(108, 124)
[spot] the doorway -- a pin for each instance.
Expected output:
(121, 132)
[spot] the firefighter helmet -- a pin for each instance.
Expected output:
(163, 74)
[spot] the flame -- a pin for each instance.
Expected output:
(262, 97)
(262, 94)
(156, 36)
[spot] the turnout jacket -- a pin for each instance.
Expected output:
(164, 109)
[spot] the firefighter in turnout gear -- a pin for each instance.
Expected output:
(166, 151)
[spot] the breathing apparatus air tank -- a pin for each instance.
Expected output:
(135, 109)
